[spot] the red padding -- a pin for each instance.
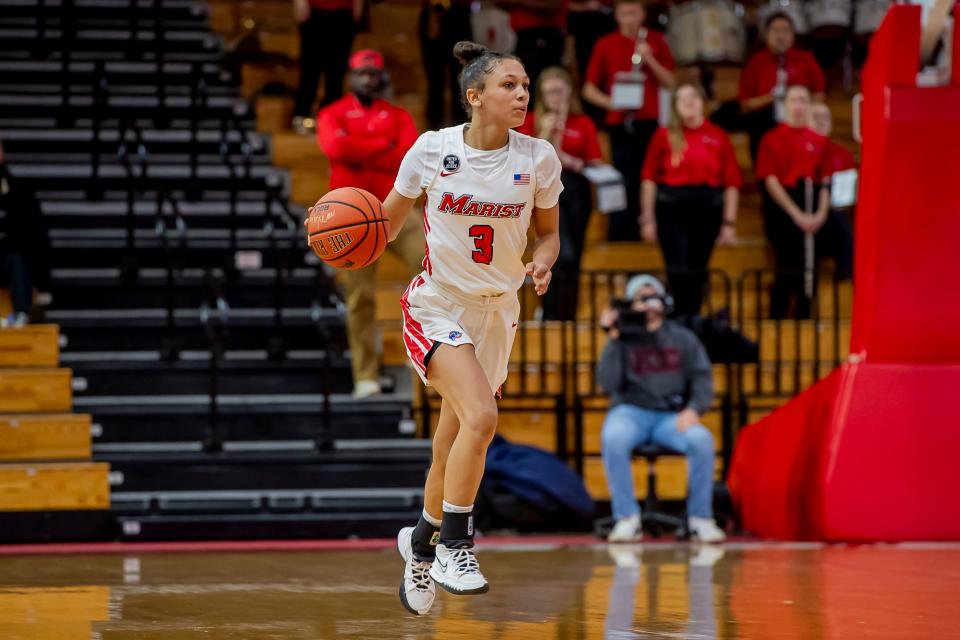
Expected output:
(867, 454)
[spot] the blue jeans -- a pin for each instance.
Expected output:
(628, 426)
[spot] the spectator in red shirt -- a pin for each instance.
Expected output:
(689, 197)
(628, 67)
(559, 118)
(766, 76)
(839, 225)
(540, 26)
(836, 157)
(327, 28)
(789, 156)
(365, 137)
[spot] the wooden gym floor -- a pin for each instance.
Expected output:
(538, 590)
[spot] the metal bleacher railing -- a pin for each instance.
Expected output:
(794, 352)
(558, 359)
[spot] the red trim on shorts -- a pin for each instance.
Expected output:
(418, 345)
(426, 242)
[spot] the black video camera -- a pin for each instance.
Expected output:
(629, 322)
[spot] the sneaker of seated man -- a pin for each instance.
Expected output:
(660, 382)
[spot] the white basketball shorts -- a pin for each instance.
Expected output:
(431, 319)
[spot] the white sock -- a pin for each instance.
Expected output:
(429, 518)
(455, 508)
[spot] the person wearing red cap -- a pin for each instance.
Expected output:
(327, 28)
(366, 137)
(768, 73)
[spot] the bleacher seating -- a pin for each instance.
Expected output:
(201, 337)
(45, 467)
(785, 366)
(208, 349)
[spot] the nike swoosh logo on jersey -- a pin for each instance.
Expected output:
(444, 174)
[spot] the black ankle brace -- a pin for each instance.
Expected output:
(424, 540)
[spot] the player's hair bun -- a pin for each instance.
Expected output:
(466, 51)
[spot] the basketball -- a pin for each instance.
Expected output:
(347, 228)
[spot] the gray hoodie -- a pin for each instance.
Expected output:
(667, 371)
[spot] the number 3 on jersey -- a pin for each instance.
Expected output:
(482, 235)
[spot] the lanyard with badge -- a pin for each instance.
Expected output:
(780, 90)
(628, 86)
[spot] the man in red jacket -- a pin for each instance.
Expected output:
(365, 137)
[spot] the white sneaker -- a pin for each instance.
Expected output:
(625, 557)
(705, 529)
(457, 571)
(365, 389)
(417, 590)
(707, 555)
(626, 530)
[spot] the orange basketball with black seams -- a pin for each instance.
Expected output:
(347, 228)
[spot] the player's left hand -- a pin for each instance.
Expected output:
(541, 275)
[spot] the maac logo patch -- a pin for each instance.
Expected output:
(455, 335)
(451, 164)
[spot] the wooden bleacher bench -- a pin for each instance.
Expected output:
(36, 345)
(36, 426)
(54, 612)
(49, 486)
(53, 436)
(35, 390)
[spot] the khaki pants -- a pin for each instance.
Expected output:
(360, 286)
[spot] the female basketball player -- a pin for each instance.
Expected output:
(484, 185)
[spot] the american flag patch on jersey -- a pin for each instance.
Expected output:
(521, 178)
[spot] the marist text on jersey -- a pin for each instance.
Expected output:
(465, 205)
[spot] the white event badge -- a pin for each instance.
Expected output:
(628, 88)
(843, 189)
(611, 194)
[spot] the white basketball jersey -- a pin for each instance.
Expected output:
(476, 226)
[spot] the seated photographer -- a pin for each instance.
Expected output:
(660, 382)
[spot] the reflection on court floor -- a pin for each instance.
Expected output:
(632, 591)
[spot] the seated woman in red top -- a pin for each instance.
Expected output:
(689, 195)
(559, 118)
(836, 157)
(791, 156)
(839, 225)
